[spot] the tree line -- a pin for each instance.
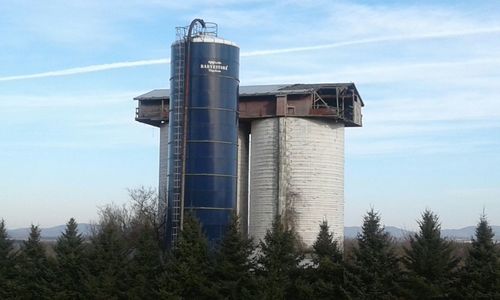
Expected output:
(123, 259)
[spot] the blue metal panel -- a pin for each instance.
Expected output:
(214, 223)
(210, 135)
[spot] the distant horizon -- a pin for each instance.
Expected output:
(346, 226)
(350, 232)
(431, 120)
(91, 222)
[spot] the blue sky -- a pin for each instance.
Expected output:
(428, 71)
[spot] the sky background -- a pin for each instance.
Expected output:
(428, 72)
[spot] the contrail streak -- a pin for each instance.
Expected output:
(393, 38)
(129, 64)
(88, 69)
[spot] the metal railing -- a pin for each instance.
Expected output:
(210, 29)
(178, 141)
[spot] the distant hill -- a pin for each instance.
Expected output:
(456, 234)
(50, 233)
(352, 231)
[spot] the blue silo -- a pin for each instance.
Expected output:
(203, 129)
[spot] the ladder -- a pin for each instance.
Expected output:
(178, 141)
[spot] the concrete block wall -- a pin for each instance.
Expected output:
(297, 170)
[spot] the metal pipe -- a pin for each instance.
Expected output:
(187, 55)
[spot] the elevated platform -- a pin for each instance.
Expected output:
(339, 101)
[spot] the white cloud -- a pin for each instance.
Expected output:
(119, 65)
(91, 24)
(416, 147)
(453, 73)
(342, 20)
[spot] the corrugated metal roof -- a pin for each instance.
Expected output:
(256, 90)
(270, 89)
(157, 94)
(314, 86)
(267, 89)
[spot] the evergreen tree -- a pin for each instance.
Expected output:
(328, 269)
(278, 261)
(234, 267)
(326, 246)
(109, 252)
(145, 264)
(33, 269)
(71, 263)
(375, 266)
(188, 269)
(6, 264)
(481, 276)
(430, 262)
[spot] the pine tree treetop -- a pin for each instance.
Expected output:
(326, 245)
(33, 246)
(430, 257)
(481, 274)
(484, 234)
(5, 243)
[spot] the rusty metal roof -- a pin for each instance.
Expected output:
(260, 90)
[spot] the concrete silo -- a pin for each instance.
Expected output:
(243, 173)
(163, 171)
(297, 155)
(274, 149)
(299, 164)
